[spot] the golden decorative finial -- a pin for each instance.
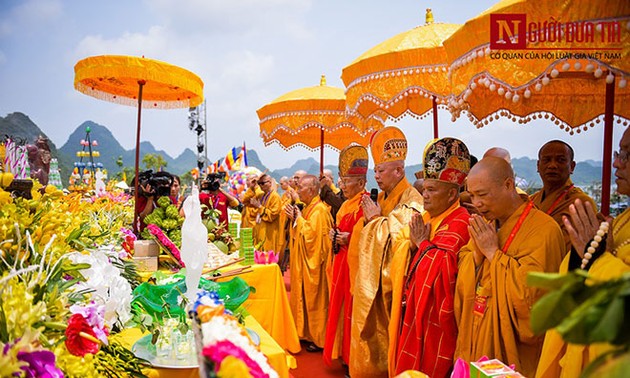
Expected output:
(429, 16)
(322, 81)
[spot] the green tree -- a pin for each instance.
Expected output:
(154, 161)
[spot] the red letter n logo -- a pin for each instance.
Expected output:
(507, 31)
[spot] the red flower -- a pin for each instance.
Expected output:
(80, 345)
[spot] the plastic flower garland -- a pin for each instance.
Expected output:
(225, 341)
(169, 247)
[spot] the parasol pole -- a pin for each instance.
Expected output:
(435, 118)
(608, 136)
(136, 211)
(321, 154)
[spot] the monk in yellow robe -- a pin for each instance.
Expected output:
(267, 208)
(253, 191)
(492, 300)
(372, 290)
(611, 260)
(310, 253)
(283, 235)
(555, 166)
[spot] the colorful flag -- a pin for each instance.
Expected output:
(214, 167)
(230, 159)
(244, 152)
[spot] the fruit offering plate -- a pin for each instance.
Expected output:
(217, 259)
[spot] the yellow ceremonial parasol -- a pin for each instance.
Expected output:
(405, 74)
(560, 61)
(138, 82)
(313, 117)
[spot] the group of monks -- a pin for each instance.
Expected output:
(414, 280)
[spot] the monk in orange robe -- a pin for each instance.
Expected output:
(267, 209)
(422, 329)
(492, 300)
(372, 287)
(555, 166)
(310, 254)
(353, 165)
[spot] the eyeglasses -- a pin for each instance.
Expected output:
(622, 156)
(262, 182)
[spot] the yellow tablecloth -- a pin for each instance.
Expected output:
(277, 357)
(270, 305)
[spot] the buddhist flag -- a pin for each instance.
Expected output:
(243, 156)
(230, 159)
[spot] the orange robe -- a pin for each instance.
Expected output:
(556, 204)
(563, 360)
(267, 227)
(310, 252)
(372, 289)
(248, 219)
(493, 302)
(340, 307)
(424, 339)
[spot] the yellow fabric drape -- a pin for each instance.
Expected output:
(400, 265)
(352, 206)
(267, 231)
(503, 330)
(563, 360)
(562, 207)
(310, 252)
(373, 283)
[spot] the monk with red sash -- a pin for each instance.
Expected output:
(422, 328)
(492, 299)
(353, 165)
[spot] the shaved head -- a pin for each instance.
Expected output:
(493, 168)
(492, 190)
(500, 153)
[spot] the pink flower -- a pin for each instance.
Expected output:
(163, 240)
(218, 351)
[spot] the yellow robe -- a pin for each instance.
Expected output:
(284, 224)
(267, 228)
(560, 359)
(562, 206)
(372, 287)
(248, 214)
(503, 330)
(310, 253)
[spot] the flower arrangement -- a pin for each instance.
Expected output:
(166, 244)
(265, 257)
(228, 351)
(61, 298)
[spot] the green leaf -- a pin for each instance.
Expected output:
(613, 364)
(554, 281)
(550, 310)
(609, 323)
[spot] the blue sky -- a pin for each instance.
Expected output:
(247, 52)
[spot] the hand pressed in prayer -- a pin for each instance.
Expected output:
(341, 237)
(485, 237)
(254, 202)
(582, 226)
(370, 208)
(418, 231)
(291, 211)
